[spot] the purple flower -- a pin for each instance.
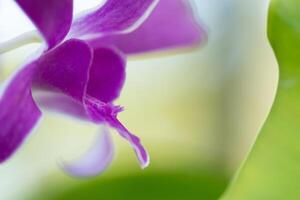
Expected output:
(81, 69)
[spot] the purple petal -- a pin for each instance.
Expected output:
(171, 24)
(18, 112)
(100, 112)
(113, 16)
(53, 18)
(96, 160)
(107, 74)
(74, 69)
(65, 69)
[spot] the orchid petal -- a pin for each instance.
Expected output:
(53, 18)
(106, 75)
(75, 70)
(113, 16)
(171, 24)
(96, 160)
(60, 103)
(18, 112)
(65, 69)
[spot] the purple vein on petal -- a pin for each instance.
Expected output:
(95, 160)
(113, 16)
(52, 18)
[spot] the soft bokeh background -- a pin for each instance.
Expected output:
(197, 111)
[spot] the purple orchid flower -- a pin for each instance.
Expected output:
(81, 69)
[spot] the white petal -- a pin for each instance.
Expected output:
(95, 160)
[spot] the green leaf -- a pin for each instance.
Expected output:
(272, 170)
(161, 186)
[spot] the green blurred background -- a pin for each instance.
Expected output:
(197, 111)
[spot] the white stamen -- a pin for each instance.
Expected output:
(21, 40)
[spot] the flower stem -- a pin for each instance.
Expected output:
(21, 40)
